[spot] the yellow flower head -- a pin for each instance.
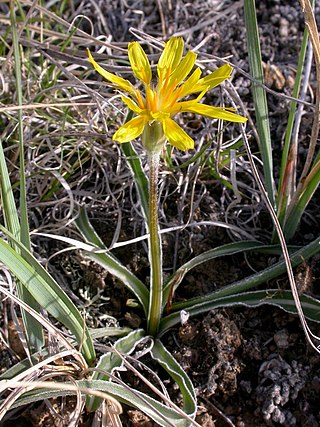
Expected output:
(160, 102)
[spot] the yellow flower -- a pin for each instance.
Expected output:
(160, 102)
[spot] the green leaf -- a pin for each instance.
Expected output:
(259, 95)
(110, 361)
(20, 229)
(24, 364)
(160, 413)
(276, 297)
(169, 363)
(47, 292)
(110, 262)
(139, 176)
(224, 250)
(10, 213)
(261, 277)
(24, 236)
(282, 190)
(237, 288)
(109, 331)
(32, 328)
(310, 185)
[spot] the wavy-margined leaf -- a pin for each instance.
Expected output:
(47, 292)
(256, 279)
(160, 413)
(110, 262)
(224, 250)
(111, 360)
(163, 415)
(245, 284)
(169, 363)
(281, 299)
(109, 331)
(26, 363)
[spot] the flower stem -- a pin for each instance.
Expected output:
(155, 252)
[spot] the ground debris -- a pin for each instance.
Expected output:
(224, 338)
(280, 382)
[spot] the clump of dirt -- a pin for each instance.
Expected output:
(252, 365)
(216, 341)
(279, 382)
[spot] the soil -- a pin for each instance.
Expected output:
(250, 367)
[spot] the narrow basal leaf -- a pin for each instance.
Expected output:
(110, 262)
(259, 95)
(33, 329)
(282, 193)
(276, 297)
(139, 176)
(163, 415)
(310, 185)
(256, 279)
(224, 250)
(245, 284)
(47, 292)
(169, 363)
(110, 361)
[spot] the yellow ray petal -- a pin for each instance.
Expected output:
(151, 99)
(130, 130)
(118, 81)
(214, 79)
(170, 57)
(131, 104)
(188, 86)
(180, 107)
(183, 69)
(139, 63)
(176, 135)
(213, 112)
